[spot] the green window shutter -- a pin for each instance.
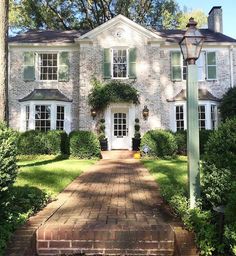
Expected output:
(63, 67)
(132, 62)
(107, 63)
(176, 67)
(29, 68)
(211, 65)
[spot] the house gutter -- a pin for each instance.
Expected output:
(231, 66)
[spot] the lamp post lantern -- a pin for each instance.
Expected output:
(191, 45)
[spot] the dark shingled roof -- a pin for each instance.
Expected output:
(46, 94)
(203, 94)
(175, 35)
(47, 36)
(68, 36)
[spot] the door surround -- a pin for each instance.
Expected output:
(128, 108)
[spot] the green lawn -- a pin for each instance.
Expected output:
(49, 173)
(168, 172)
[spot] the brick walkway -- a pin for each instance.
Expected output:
(113, 209)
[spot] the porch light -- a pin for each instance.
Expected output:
(145, 112)
(191, 43)
(93, 113)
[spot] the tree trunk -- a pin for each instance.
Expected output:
(4, 60)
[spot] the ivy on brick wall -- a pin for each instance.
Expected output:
(102, 94)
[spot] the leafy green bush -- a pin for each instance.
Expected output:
(102, 95)
(228, 104)
(37, 142)
(181, 140)
(84, 144)
(24, 202)
(8, 167)
(196, 219)
(161, 143)
(56, 142)
(216, 185)
(220, 149)
(230, 237)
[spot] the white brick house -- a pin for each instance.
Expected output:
(50, 76)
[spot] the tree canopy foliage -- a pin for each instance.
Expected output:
(87, 14)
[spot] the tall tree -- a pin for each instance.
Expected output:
(87, 14)
(198, 15)
(3, 60)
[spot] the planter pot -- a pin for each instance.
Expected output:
(136, 144)
(104, 144)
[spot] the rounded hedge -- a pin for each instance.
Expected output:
(220, 149)
(228, 104)
(160, 142)
(36, 142)
(8, 167)
(84, 144)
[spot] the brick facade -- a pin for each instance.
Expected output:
(86, 61)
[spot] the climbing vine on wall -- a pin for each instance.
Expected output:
(102, 94)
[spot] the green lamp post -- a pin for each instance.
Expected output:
(191, 45)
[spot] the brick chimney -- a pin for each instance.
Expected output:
(215, 19)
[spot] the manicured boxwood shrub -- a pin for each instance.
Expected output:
(228, 104)
(161, 143)
(221, 147)
(37, 142)
(181, 140)
(8, 167)
(84, 144)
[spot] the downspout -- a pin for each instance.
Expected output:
(231, 66)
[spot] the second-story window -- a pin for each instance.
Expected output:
(119, 67)
(48, 66)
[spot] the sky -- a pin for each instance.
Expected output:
(228, 7)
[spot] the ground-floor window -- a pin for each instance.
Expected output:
(207, 114)
(45, 116)
(179, 114)
(202, 117)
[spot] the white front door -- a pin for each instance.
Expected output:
(120, 129)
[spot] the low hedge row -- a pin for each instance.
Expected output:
(164, 143)
(82, 144)
(181, 140)
(37, 142)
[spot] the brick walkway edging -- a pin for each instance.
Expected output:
(23, 241)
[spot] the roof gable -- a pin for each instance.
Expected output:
(121, 20)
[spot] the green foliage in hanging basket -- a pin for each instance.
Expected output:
(102, 95)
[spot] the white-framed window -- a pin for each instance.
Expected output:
(60, 117)
(202, 117)
(46, 115)
(119, 63)
(47, 66)
(27, 115)
(42, 120)
(179, 117)
(211, 66)
(213, 116)
(207, 69)
(207, 112)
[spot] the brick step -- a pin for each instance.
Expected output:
(107, 240)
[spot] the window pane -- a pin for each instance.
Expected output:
(179, 117)
(175, 58)
(42, 117)
(48, 66)
(176, 73)
(60, 118)
(211, 72)
(211, 58)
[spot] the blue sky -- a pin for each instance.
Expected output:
(228, 7)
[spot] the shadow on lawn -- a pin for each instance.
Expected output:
(169, 172)
(43, 162)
